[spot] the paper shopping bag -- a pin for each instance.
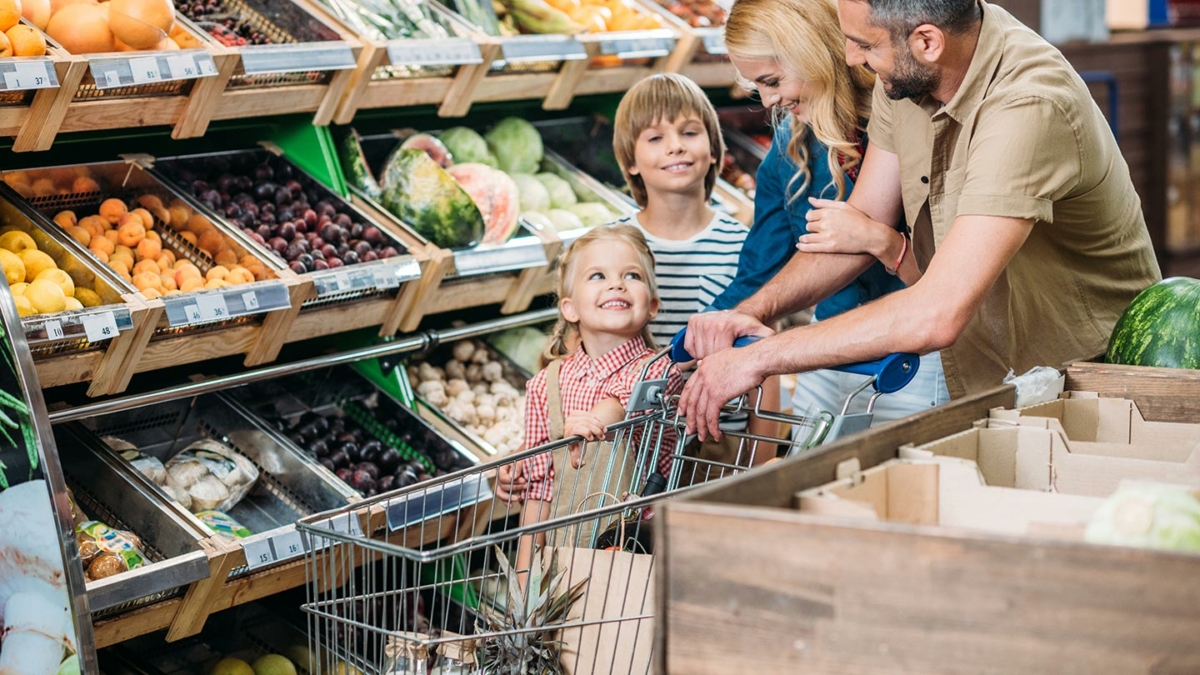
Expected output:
(619, 591)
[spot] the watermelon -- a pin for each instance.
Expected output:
(495, 194)
(1160, 328)
(432, 146)
(354, 164)
(422, 194)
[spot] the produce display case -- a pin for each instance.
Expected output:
(254, 309)
(30, 86)
(106, 491)
(700, 53)
(304, 61)
(354, 295)
(1018, 603)
(467, 277)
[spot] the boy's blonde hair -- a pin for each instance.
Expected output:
(561, 339)
(664, 96)
(805, 38)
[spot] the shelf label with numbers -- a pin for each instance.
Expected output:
(93, 323)
(297, 57)
(423, 52)
(397, 271)
(542, 48)
(275, 548)
(54, 330)
(250, 300)
(212, 307)
(149, 68)
(258, 552)
(638, 46)
(379, 275)
(21, 74)
(100, 326)
(519, 253)
(199, 307)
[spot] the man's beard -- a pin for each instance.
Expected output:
(911, 79)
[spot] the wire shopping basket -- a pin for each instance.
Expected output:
(456, 579)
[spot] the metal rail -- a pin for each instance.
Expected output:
(412, 343)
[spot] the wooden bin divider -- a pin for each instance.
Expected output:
(49, 106)
(193, 611)
(532, 282)
(205, 98)
(277, 326)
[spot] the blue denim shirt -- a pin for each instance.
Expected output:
(778, 225)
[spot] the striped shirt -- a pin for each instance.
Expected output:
(691, 272)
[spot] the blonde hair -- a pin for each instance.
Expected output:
(565, 332)
(805, 39)
(664, 96)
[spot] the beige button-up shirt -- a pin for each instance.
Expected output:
(1022, 138)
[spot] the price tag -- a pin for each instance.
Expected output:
(145, 70)
(193, 314)
(259, 553)
(112, 79)
(289, 545)
(433, 52)
(346, 524)
(100, 326)
(28, 75)
(212, 307)
(206, 65)
(54, 330)
(250, 300)
(182, 67)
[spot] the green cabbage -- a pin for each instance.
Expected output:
(564, 221)
(561, 194)
(534, 196)
(466, 146)
(592, 213)
(539, 219)
(523, 346)
(517, 146)
(1148, 515)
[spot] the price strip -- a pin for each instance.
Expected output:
(397, 271)
(714, 41)
(297, 57)
(258, 553)
(100, 326)
(426, 503)
(266, 551)
(517, 254)
(637, 47)
(421, 52)
(28, 74)
(250, 299)
(212, 307)
(54, 330)
(542, 48)
(226, 303)
(110, 72)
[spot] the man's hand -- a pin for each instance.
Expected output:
(711, 332)
(837, 227)
(585, 424)
(717, 379)
(510, 482)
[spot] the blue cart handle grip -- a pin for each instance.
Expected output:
(892, 373)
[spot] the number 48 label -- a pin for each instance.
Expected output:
(99, 326)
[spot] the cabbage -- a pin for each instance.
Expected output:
(561, 194)
(592, 213)
(1148, 515)
(564, 221)
(539, 219)
(517, 146)
(523, 346)
(466, 146)
(534, 196)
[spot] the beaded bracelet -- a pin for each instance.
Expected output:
(899, 261)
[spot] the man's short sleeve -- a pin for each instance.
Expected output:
(1024, 155)
(879, 128)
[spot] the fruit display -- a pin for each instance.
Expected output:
(566, 17)
(697, 13)
(735, 175)
(389, 19)
(18, 39)
(90, 27)
(38, 285)
(477, 389)
(1159, 327)
(283, 209)
(223, 22)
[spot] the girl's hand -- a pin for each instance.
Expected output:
(837, 227)
(510, 483)
(584, 424)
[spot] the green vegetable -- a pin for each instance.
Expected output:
(523, 346)
(565, 221)
(1148, 515)
(592, 213)
(354, 164)
(561, 194)
(540, 220)
(533, 195)
(1160, 328)
(517, 146)
(424, 195)
(466, 145)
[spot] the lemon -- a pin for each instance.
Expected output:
(19, 289)
(46, 296)
(36, 262)
(24, 307)
(61, 278)
(72, 303)
(14, 269)
(87, 297)
(16, 241)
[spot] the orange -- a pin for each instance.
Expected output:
(36, 12)
(82, 28)
(141, 24)
(10, 13)
(28, 41)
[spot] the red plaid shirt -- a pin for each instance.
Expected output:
(584, 382)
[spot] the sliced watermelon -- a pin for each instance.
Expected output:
(496, 196)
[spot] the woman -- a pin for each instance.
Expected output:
(793, 53)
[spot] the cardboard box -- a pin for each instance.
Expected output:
(1085, 416)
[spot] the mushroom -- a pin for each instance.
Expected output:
(456, 370)
(463, 351)
(493, 371)
(427, 372)
(455, 387)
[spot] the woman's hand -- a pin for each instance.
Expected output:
(837, 227)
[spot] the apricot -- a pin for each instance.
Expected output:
(197, 223)
(112, 209)
(215, 283)
(111, 235)
(149, 249)
(147, 218)
(217, 272)
(103, 245)
(212, 242)
(165, 260)
(119, 266)
(150, 202)
(147, 279)
(168, 281)
(80, 234)
(131, 234)
(65, 219)
(189, 237)
(192, 284)
(44, 187)
(163, 214)
(225, 257)
(146, 266)
(179, 216)
(151, 293)
(124, 250)
(84, 184)
(239, 275)
(259, 271)
(101, 256)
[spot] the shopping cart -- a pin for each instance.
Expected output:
(449, 578)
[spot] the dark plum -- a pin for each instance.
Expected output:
(356, 229)
(302, 243)
(368, 467)
(330, 233)
(389, 252)
(266, 218)
(325, 462)
(362, 481)
(292, 251)
(344, 474)
(306, 260)
(350, 258)
(329, 251)
(298, 268)
(352, 451)
(232, 210)
(389, 460)
(301, 226)
(385, 483)
(277, 244)
(319, 447)
(339, 459)
(264, 172)
(325, 208)
(264, 191)
(258, 238)
(282, 196)
(362, 247)
(294, 186)
(372, 234)
(310, 217)
(285, 214)
(319, 265)
(316, 240)
(199, 186)
(334, 262)
(264, 232)
(368, 256)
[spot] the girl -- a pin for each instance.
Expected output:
(793, 53)
(607, 298)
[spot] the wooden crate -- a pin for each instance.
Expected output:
(749, 585)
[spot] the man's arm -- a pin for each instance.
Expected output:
(930, 315)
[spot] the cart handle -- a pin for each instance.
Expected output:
(892, 373)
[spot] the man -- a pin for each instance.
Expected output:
(1026, 230)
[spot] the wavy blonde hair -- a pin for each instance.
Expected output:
(806, 40)
(565, 333)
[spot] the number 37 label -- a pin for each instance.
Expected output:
(34, 74)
